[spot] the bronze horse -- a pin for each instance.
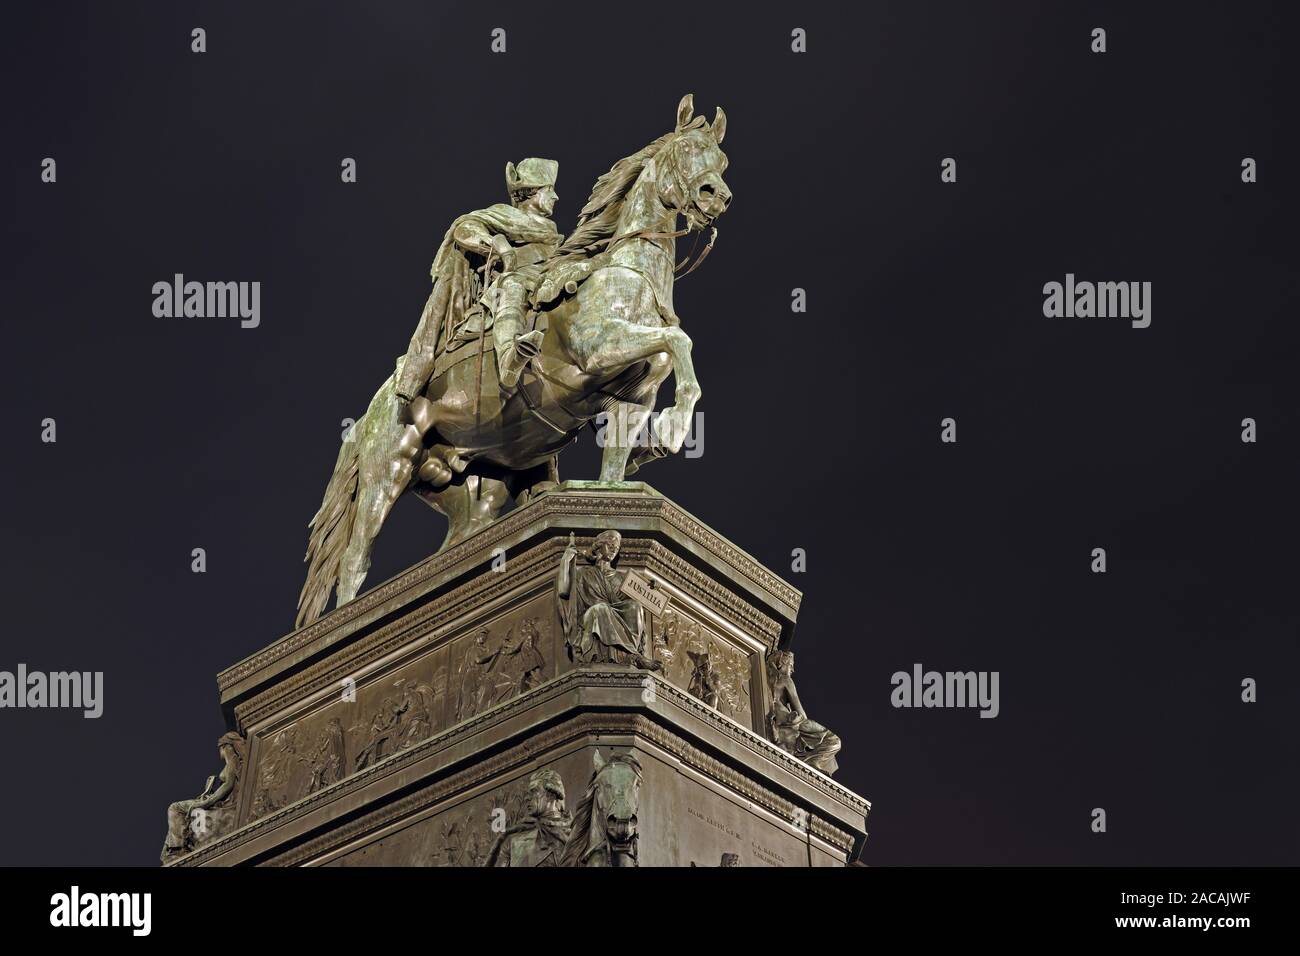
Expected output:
(609, 341)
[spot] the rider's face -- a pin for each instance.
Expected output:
(543, 201)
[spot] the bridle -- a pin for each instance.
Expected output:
(684, 189)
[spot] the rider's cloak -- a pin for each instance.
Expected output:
(456, 286)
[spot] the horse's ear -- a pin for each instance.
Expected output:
(597, 761)
(719, 126)
(685, 110)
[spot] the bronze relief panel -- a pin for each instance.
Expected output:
(524, 822)
(370, 719)
(708, 667)
(365, 722)
(494, 662)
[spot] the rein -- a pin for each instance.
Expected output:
(677, 234)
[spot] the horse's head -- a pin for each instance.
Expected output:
(690, 167)
(616, 794)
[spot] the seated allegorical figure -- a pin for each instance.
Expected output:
(789, 724)
(214, 806)
(602, 625)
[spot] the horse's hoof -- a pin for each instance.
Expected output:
(669, 431)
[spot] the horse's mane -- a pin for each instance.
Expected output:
(578, 836)
(599, 217)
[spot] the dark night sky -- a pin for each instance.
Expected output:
(1119, 690)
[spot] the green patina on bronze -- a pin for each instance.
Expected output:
(523, 341)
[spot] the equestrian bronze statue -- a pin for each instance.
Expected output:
(524, 340)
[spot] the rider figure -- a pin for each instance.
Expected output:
(532, 190)
(521, 237)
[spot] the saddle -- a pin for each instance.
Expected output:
(562, 277)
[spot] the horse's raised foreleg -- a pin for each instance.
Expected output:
(621, 343)
(674, 422)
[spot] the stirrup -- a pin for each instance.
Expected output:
(518, 373)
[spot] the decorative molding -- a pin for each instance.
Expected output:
(722, 601)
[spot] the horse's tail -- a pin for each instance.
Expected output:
(331, 528)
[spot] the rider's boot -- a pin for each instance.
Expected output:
(514, 351)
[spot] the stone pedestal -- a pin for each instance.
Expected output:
(404, 728)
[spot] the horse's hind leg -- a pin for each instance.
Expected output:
(627, 419)
(526, 485)
(625, 429)
(470, 502)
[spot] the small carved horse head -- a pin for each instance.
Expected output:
(605, 824)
